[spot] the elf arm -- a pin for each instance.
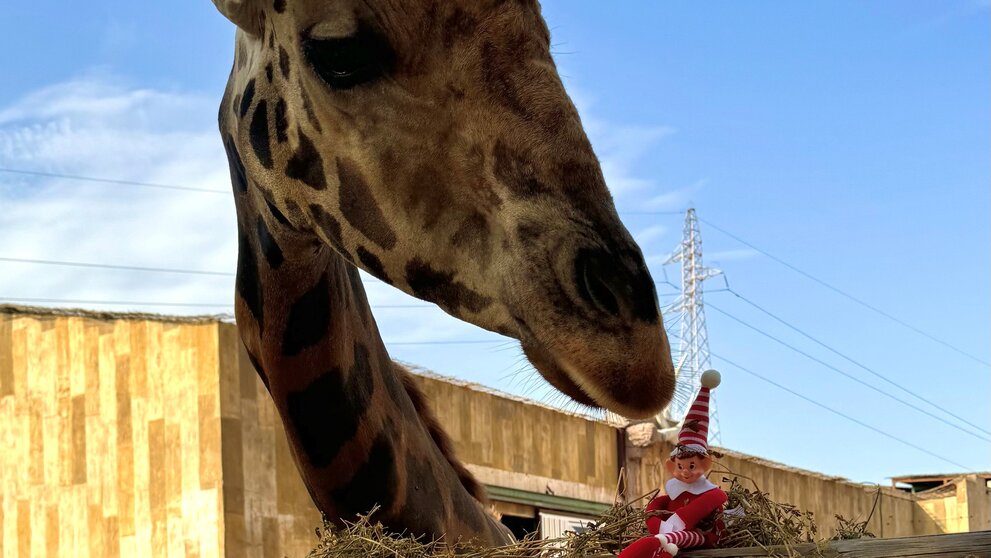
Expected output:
(701, 507)
(657, 504)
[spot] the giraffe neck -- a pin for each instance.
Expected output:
(359, 429)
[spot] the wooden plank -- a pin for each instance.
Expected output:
(956, 545)
(6, 356)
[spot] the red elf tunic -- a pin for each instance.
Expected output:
(695, 504)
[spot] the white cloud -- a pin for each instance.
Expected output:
(650, 234)
(675, 200)
(94, 127)
(732, 255)
(619, 148)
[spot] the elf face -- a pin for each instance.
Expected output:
(689, 469)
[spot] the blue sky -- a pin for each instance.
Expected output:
(850, 139)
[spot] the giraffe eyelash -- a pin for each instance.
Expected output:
(347, 62)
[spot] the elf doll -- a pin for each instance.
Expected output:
(689, 515)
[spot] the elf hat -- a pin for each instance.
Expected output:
(694, 432)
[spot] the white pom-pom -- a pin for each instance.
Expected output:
(670, 548)
(710, 379)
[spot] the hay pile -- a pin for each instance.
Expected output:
(364, 539)
(764, 524)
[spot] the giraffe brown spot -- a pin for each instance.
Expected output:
(247, 98)
(372, 264)
(326, 414)
(529, 233)
(498, 65)
(238, 177)
(259, 135)
(284, 62)
(247, 284)
(357, 302)
(331, 229)
(306, 164)
(309, 319)
(270, 248)
(279, 216)
(429, 195)
(281, 121)
(440, 287)
(375, 481)
(516, 172)
(467, 510)
(422, 493)
(473, 236)
(280, 6)
(360, 208)
(459, 24)
(310, 115)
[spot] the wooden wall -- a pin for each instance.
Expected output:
(141, 437)
(111, 438)
(127, 435)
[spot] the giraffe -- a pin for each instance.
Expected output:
(432, 144)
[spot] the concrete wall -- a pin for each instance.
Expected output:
(516, 444)
(959, 507)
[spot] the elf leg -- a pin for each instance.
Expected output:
(682, 539)
(645, 547)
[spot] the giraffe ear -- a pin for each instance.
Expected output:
(246, 14)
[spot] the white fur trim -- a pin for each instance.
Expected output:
(711, 379)
(670, 548)
(675, 487)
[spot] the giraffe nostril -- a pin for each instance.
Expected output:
(615, 287)
(598, 282)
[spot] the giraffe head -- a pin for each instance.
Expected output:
(432, 144)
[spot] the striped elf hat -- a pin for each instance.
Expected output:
(693, 438)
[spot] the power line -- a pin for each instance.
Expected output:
(849, 296)
(179, 304)
(207, 190)
(841, 414)
(847, 374)
(114, 181)
(851, 360)
(120, 267)
(113, 302)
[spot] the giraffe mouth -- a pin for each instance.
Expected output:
(548, 366)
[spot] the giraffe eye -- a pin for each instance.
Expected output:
(346, 62)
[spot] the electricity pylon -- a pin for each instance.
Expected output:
(692, 356)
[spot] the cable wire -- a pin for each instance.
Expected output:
(841, 414)
(847, 374)
(114, 181)
(208, 190)
(851, 360)
(849, 296)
